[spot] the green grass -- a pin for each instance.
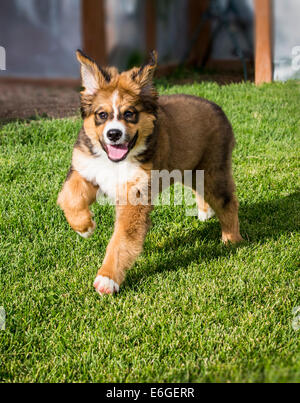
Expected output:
(191, 309)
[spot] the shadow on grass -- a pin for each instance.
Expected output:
(260, 223)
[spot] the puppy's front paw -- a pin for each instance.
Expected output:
(104, 285)
(89, 232)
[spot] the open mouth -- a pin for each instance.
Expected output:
(118, 152)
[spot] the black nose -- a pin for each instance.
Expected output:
(114, 134)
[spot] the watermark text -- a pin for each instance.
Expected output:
(2, 58)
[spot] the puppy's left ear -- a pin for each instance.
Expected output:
(144, 76)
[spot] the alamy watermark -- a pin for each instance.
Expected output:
(296, 318)
(154, 189)
(296, 58)
(2, 318)
(2, 58)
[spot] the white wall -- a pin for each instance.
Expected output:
(286, 37)
(172, 30)
(126, 28)
(40, 37)
(286, 26)
(125, 32)
(223, 47)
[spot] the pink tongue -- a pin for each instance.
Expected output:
(117, 152)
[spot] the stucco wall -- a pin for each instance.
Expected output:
(126, 31)
(40, 37)
(223, 46)
(286, 38)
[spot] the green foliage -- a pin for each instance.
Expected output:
(191, 309)
(135, 59)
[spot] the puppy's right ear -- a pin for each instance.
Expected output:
(93, 77)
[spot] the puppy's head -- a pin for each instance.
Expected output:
(119, 109)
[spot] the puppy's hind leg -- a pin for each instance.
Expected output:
(219, 192)
(74, 199)
(205, 212)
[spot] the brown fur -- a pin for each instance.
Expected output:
(174, 132)
(75, 198)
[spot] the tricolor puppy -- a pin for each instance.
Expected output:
(128, 131)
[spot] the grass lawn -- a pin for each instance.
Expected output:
(191, 309)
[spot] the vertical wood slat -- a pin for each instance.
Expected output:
(263, 42)
(93, 30)
(150, 11)
(195, 10)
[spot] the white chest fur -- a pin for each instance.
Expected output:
(108, 175)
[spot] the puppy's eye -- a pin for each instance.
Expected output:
(103, 115)
(128, 115)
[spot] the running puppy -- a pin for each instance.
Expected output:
(128, 131)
